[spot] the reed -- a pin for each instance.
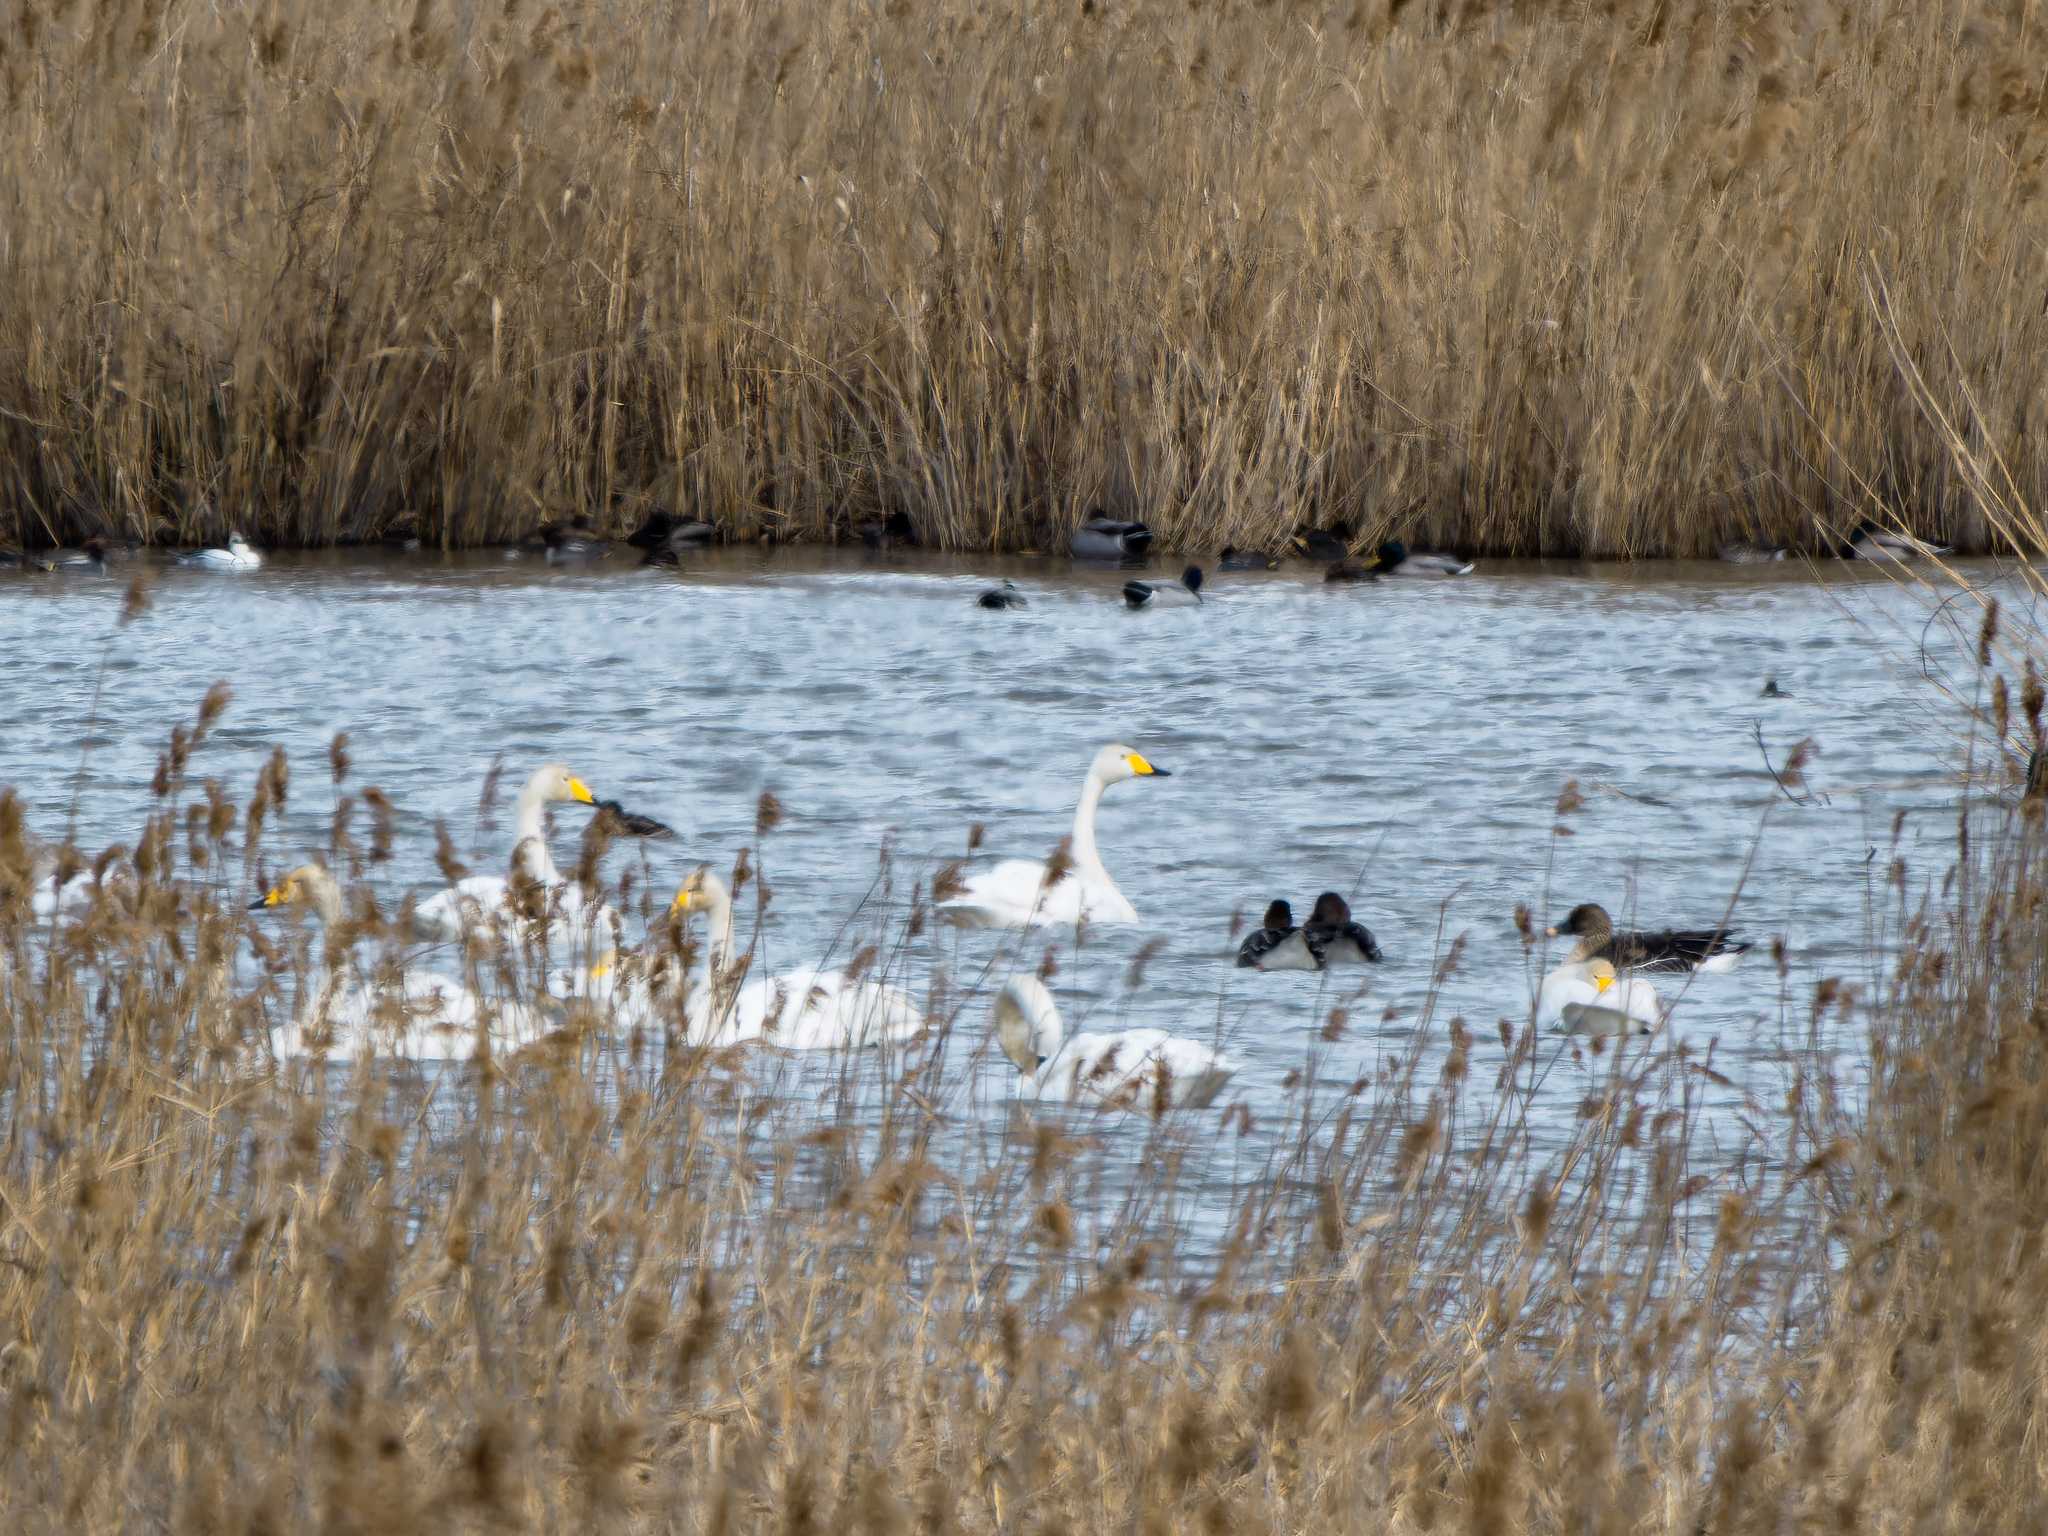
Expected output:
(614, 1283)
(1627, 279)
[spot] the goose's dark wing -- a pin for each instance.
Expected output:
(1672, 949)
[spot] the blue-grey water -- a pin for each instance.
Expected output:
(1402, 743)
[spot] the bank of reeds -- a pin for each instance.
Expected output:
(615, 1285)
(1584, 279)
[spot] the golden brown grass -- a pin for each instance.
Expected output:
(1617, 278)
(613, 1285)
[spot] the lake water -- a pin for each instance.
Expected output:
(1403, 743)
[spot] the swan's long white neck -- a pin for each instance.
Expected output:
(530, 856)
(325, 896)
(1087, 858)
(717, 908)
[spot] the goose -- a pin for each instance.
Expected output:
(891, 532)
(1235, 559)
(1105, 538)
(807, 1009)
(237, 555)
(1586, 998)
(1276, 944)
(1139, 1069)
(1005, 596)
(1744, 552)
(1016, 893)
(485, 901)
(1395, 560)
(1333, 938)
(1323, 544)
(419, 1014)
(1166, 594)
(1870, 542)
(1681, 949)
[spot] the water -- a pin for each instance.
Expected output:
(1403, 743)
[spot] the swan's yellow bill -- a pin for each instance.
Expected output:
(581, 791)
(1141, 767)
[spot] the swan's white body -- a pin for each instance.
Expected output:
(806, 1009)
(1014, 893)
(483, 904)
(1585, 997)
(49, 899)
(239, 555)
(416, 1015)
(1140, 1069)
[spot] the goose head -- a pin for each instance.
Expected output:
(1588, 920)
(1027, 1023)
(1117, 762)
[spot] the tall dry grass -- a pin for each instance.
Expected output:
(616, 1285)
(1515, 278)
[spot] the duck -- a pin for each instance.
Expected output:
(1103, 537)
(1323, 544)
(895, 531)
(1870, 542)
(576, 544)
(482, 902)
(1146, 1070)
(1586, 997)
(1166, 594)
(1004, 596)
(1771, 690)
(1276, 944)
(1235, 559)
(807, 1009)
(1348, 571)
(1673, 949)
(1745, 552)
(236, 555)
(1396, 560)
(662, 529)
(19, 560)
(621, 822)
(1015, 893)
(90, 557)
(419, 1014)
(1333, 938)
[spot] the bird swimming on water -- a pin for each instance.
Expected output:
(1668, 949)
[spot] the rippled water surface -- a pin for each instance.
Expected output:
(1404, 743)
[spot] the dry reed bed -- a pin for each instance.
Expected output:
(618, 1286)
(1619, 279)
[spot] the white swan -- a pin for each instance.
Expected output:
(807, 1009)
(484, 902)
(419, 1014)
(51, 898)
(237, 556)
(1016, 894)
(1140, 1069)
(1585, 997)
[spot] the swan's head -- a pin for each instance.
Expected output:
(701, 892)
(1279, 915)
(1588, 920)
(1027, 1023)
(1601, 974)
(1331, 908)
(1116, 762)
(554, 782)
(302, 885)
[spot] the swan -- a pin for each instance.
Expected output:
(807, 1009)
(1005, 596)
(1680, 949)
(1395, 560)
(484, 901)
(1586, 998)
(1016, 893)
(238, 555)
(1333, 938)
(1141, 1069)
(1106, 538)
(1870, 542)
(50, 897)
(1166, 594)
(421, 1014)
